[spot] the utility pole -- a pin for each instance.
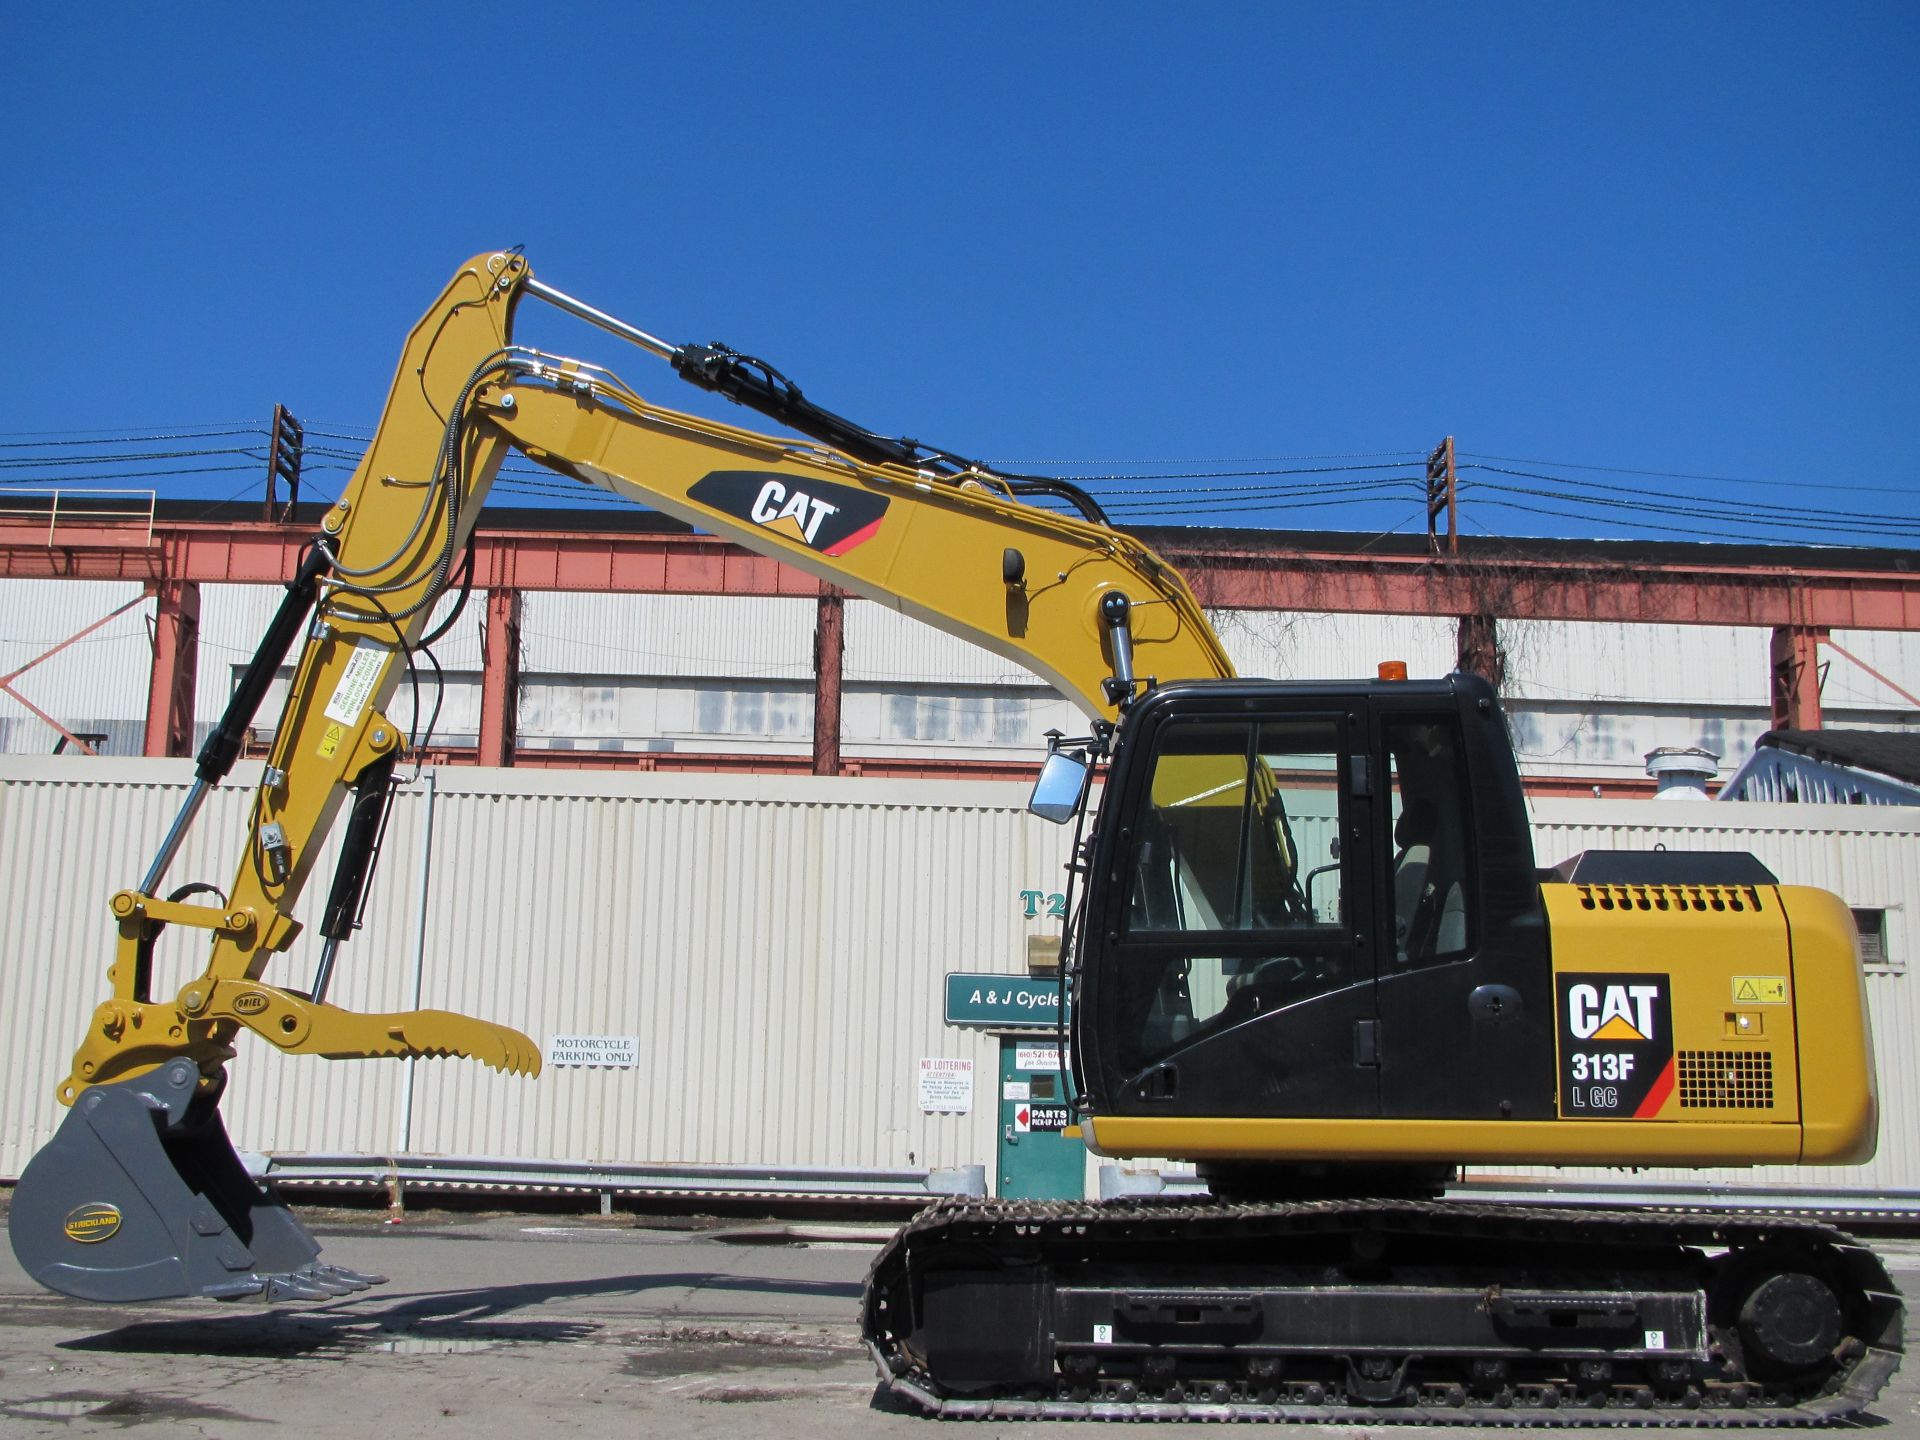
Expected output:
(283, 463)
(1443, 493)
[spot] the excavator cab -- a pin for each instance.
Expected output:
(1294, 892)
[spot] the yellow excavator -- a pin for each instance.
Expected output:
(1309, 949)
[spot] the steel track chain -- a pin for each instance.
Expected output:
(1843, 1394)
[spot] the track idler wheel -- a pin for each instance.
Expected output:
(139, 1196)
(1790, 1322)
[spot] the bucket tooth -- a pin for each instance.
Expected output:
(139, 1196)
(281, 1288)
(352, 1279)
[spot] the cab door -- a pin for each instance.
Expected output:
(1236, 973)
(1465, 1003)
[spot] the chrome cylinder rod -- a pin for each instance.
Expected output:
(323, 976)
(560, 300)
(170, 846)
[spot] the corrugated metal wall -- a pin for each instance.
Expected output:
(778, 946)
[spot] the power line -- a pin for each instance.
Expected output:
(1685, 475)
(1399, 455)
(1820, 512)
(1769, 517)
(1151, 489)
(44, 482)
(121, 437)
(1692, 532)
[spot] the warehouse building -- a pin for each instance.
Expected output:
(723, 675)
(738, 969)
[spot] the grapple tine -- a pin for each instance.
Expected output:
(139, 1196)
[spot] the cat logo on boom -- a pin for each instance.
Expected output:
(819, 514)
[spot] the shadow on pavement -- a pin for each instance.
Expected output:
(468, 1318)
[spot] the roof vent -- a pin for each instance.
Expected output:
(1681, 772)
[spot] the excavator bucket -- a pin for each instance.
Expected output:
(139, 1196)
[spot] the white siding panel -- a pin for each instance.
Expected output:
(764, 637)
(1607, 662)
(93, 683)
(232, 620)
(884, 645)
(234, 617)
(1895, 654)
(1312, 645)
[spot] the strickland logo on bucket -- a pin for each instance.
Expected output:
(1616, 1046)
(90, 1224)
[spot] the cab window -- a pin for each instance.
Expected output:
(1240, 831)
(1431, 885)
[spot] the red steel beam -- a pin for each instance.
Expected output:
(829, 669)
(1552, 589)
(1795, 652)
(1237, 578)
(499, 677)
(176, 664)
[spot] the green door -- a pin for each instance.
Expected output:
(1038, 1159)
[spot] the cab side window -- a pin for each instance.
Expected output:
(1430, 884)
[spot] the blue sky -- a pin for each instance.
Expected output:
(1112, 240)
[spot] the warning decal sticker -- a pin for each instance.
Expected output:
(364, 667)
(1760, 989)
(1616, 1046)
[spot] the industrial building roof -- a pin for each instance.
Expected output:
(1886, 752)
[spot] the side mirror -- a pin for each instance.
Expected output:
(1058, 791)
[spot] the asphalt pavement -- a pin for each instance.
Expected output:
(509, 1325)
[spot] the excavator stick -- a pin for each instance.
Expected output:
(139, 1196)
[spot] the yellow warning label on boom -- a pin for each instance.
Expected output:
(330, 740)
(1760, 989)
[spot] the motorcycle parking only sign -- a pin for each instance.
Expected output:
(1616, 1046)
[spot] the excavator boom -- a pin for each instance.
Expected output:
(139, 1196)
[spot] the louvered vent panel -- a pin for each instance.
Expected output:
(1703, 898)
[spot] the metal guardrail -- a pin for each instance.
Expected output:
(1829, 1202)
(1835, 1203)
(491, 1174)
(48, 510)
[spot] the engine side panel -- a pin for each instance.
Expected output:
(1673, 1003)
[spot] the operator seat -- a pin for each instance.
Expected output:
(1413, 836)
